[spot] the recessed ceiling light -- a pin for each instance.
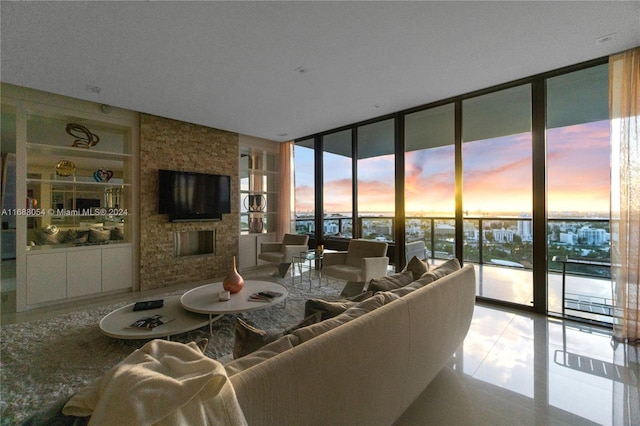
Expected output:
(282, 135)
(92, 88)
(301, 70)
(376, 106)
(605, 38)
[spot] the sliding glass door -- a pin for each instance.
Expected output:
(429, 180)
(497, 192)
(376, 181)
(578, 194)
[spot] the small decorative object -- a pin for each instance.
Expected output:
(101, 175)
(256, 225)
(233, 282)
(84, 137)
(320, 248)
(224, 296)
(65, 168)
(255, 203)
(51, 230)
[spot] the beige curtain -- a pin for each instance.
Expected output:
(284, 225)
(624, 107)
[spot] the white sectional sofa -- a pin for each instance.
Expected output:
(366, 371)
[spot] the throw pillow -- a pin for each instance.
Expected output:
(75, 237)
(391, 282)
(308, 320)
(249, 338)
(45, 237)
(326, 308)
(417, 267)
(283, 344)
(99, 235)
(439, 271)
(117, 234)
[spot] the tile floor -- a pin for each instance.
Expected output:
(527, 369)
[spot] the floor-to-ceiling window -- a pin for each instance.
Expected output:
(474, 166)
(376, 180)
(429, 182)
(578, 193)
(337, 184)
(304, 186)
(497, 190)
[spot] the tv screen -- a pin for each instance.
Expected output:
(186, 196)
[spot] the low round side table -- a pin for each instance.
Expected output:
(205, 299)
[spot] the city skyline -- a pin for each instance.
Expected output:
(496, 176)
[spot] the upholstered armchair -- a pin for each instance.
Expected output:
(363, 261)
(415, 248)
(281, 253)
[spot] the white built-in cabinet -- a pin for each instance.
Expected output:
(259, 179)
(75, 214)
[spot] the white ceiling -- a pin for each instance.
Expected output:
(237, 65)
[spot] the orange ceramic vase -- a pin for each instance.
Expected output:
(233, 282)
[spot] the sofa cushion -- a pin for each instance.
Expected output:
(417, 267)
(76, 237)
(359, 249)
(97, 235)
(117, 233)
(44, 237)
(249, 338)
(344, 272)
(402, 291)
(391, 282)
(361, 308)
(360, 297)
(439, 271)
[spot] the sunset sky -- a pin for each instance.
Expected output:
(497, 176)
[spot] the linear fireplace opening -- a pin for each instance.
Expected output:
(194, 243)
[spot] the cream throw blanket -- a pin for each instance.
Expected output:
(163, 383)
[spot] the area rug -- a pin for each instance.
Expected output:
(46, 360)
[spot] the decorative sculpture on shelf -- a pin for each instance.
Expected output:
(84, 137)
(256, 225)
(255, 203)
(65, 168)
(102, 175)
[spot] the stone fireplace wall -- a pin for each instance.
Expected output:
(175, 145)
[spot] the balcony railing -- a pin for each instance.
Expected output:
(501, 241)
(506, 242)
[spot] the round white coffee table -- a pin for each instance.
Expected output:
(205, 299)
(116, 324)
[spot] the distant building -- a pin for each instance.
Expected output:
(568, 238)
(503, 235)
(444, 230)
(593, 236)
(524, 230)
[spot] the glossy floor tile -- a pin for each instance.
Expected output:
(526, 369)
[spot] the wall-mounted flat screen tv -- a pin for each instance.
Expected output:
(191, 196)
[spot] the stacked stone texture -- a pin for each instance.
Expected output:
(175, 145)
